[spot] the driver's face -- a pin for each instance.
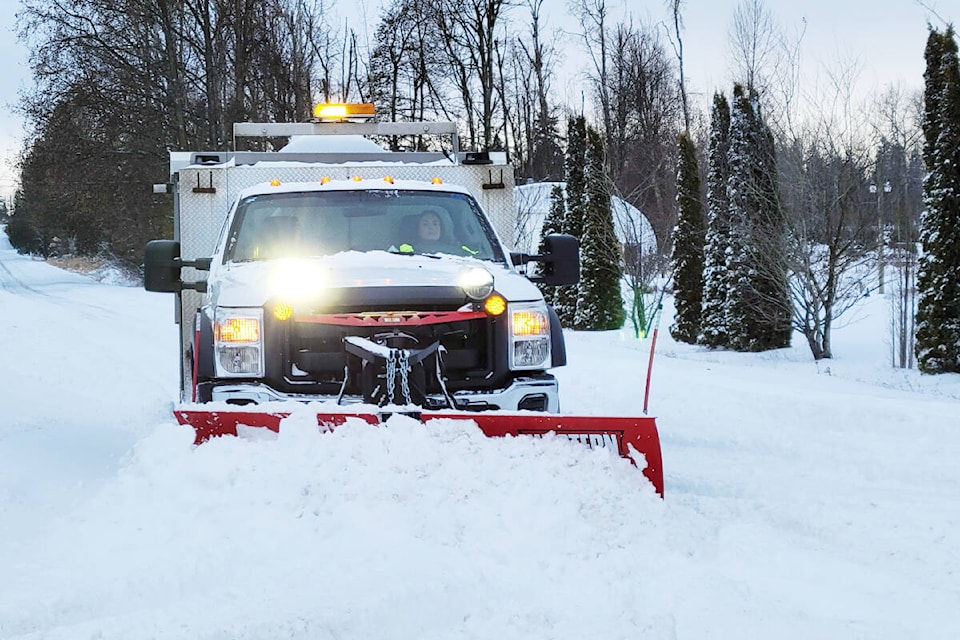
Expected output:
(429, 227)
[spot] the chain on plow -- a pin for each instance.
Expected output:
(398, 362)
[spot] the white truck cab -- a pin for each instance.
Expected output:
(366, 277)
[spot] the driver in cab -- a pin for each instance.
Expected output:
(432, 236)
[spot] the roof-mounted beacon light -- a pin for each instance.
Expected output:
(344, 112)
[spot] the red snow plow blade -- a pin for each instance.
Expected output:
(631, 437)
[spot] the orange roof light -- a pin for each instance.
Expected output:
(436, 180)
(388, 179)
(324, 179)
(323, 111)
(357, 178)
(274, 183)
(339, 112)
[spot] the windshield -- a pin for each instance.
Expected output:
(324, 223)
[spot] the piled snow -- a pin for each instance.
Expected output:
(532, 204)
(331, 144)
(800, 503)
(364, 532)
(110, 274)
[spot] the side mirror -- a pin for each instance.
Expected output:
(560, 260)
(161, 266)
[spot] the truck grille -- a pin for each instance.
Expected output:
(317, 354)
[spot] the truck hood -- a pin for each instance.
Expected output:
(252, 284)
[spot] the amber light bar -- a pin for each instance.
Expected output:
(344, 111)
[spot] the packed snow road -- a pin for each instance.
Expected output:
(801, 502)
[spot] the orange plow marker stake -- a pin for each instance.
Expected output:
(629, 436)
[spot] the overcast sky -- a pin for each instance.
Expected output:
(13, 76)
(885, 38)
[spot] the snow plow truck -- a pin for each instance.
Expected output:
(366, 282)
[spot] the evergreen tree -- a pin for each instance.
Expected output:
(758, 306)
(553, 223)
(599, 303)
(688, 239)
(566, 297)
(737, 311)
(938, 306)
(713, 325)
(770, 236)
(546, 156)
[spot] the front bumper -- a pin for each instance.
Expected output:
(537, 393)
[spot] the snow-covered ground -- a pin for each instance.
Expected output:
(802, 501)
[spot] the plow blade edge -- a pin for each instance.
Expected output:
(630, 437)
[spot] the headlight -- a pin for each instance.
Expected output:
(529, 335)
(238, 342)
(476, 282)
(295, 279)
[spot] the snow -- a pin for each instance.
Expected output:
(802, 500)
(533, 205)
(255, 282)
(331, 144)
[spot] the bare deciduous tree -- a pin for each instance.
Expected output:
(594, 18)
(646, 116)
(675, 7)
(832, 225)
(471, 32)
(119, 84)
(533, 64)
(402, 76)
(755, 42)
(898, 178)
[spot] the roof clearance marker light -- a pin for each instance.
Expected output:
(357, 178)
(495, 305)
(324, 179)
(274, 183)
(282, 311)
(436, 180)
(388, 179)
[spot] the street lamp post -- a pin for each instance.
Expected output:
(881, 243)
